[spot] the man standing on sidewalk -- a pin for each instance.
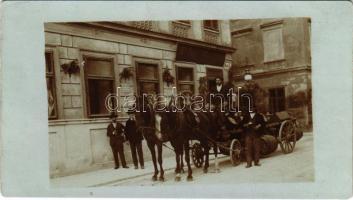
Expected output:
(254, 127)
(135, 139)
(115, 133)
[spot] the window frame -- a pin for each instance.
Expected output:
(271, 27)
(212, 27)
(275, 108)
(138, 63)
(90, 77)
(53, 78)
(213, 78)
(178, 82)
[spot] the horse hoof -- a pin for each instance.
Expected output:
(154, 178)
(205, 171)
(161, 178)
(217, 170)
(190, 178)
(182, 171)
(177, 179)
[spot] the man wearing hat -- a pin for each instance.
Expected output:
(115, 133)
(135, 140)
(254, 124)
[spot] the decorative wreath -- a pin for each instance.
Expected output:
(126, 74)
(71, 68)
(167, 77)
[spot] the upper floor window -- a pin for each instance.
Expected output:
(185, 78)
(211, 24)
(273, 43)
(99, 78)
(50, 78)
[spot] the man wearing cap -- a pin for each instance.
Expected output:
(135, 140)
(115, 133)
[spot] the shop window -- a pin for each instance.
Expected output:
(277, 100)
(51, 93)
(273, 44)
(147, 79)
(185, 78)
(99, 84)
(211, 24)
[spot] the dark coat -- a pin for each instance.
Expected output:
(255, 125)
(118, 137)
(223, 93)
(131, 131)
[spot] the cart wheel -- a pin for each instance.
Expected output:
(287, 136)
(197, 154)
(235, 149)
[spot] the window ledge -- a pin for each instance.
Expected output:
(211, 30)
(181, 23)
(274, 61)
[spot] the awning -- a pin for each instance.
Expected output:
(200, 55)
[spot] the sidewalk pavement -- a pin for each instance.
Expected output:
(108, 176)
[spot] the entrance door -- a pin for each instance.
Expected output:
(212, 74)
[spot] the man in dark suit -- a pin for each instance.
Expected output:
(219, 93)
(254, 124)
(135, 139)
(115, 133)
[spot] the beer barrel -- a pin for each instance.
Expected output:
(269, 144)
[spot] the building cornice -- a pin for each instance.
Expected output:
(158, 35)
(239, 77)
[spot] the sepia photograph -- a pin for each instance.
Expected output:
(176, 99)
(158, 102)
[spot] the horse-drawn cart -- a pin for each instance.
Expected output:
(280, 128)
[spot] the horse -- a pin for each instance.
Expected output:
(149, 123)
(179, 128)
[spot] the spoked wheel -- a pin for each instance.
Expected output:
(287, 136)
(197, 154)
(235, 150)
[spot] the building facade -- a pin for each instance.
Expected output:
(87, 61)
(276, 52)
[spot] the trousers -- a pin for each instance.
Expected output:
(252, 148)
(118, 151)
(136, 148)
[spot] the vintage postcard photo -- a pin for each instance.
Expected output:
(139, 100)
(158, 102)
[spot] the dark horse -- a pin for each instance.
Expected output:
(178, 128)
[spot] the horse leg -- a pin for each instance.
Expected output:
(207, 153)
(187, 159)
(160, 161)
(215, 149)
(177, 170)
(154, 160)
(182, 162)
